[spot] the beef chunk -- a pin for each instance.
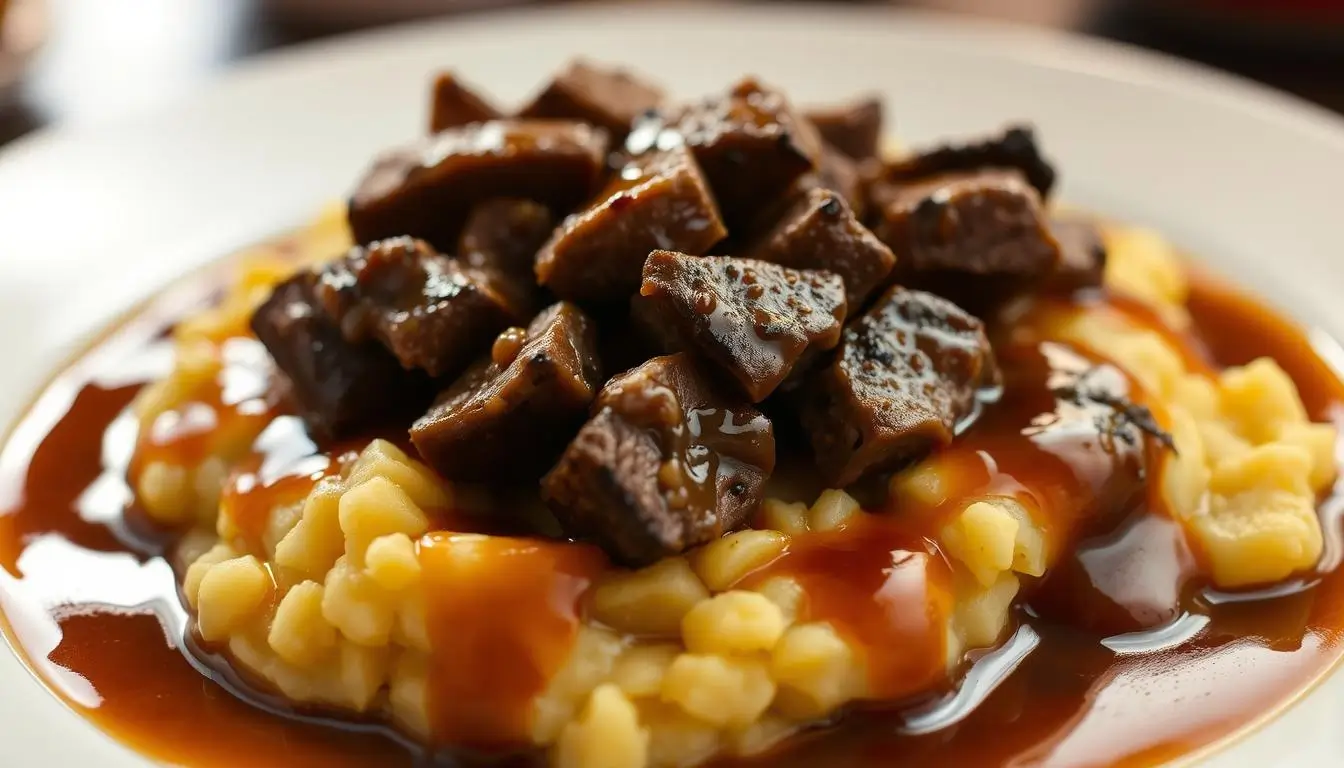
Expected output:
(510, 415)
(906, 376)
(608, 98)
(667, 461)
(426, 190)
(658, 200)
(503, 236)
(1082, 254)
(500, 239)
(340, 388)
(605, 488)
(429, 311)
(854, 128)
(757, 321)
(984, 223)
(454, 105)
(1014, 149)
(750, 143)
(820, 231)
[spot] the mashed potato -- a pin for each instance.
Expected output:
(672, 664)
(177, 493)
(327, 598)
(1248, 464)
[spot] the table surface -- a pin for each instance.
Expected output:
(98, 60)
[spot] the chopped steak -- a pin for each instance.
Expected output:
(906, 376)
(1082, 254)
(509, 417)
(454, 105)
(427, 189)
(504, 235)
(424, 307)
(1082, 261)
(605, 489)
(598, 193)
(667, 461)
(819, 231)
(1015, 149)
(658, 200)
(340, 388)
(854, 128)
(609, 98)
(750, 143)
(757, 321)
(983, 223)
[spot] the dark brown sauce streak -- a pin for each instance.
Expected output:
(116, 659)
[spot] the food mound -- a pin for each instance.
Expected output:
(642, 432)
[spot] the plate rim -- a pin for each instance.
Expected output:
(1059, 49)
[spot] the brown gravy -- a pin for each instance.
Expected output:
(864, 580)
(484, 679)
(1062, 695)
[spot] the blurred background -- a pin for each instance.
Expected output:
(89, 60)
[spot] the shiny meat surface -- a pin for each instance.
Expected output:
(453, 104)
(425, 190)
(854, 128)
(758, 322)
(656, 200)
(907, 375)
(668, 460)
(427, 309)
(467, 232)
(607, 97)
(820, 231)
(983, 223)
(339, 387)
(750, 143)
(509, 416)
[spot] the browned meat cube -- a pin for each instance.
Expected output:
(606, 97)
(757, 321)
(820, 231)
(854, 128)
(454, 104)
(907, 375)
(340, 388)
(426, 190)
(509, 417)
(658, 200)
(750, 143)
(500, 239)
(666, 462)
(1082, 254)
(984, 223)
(424, 307)
(1014, 149)
(504, 236)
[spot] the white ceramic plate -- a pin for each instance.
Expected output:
(94, 218)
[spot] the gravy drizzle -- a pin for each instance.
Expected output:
(91, 599)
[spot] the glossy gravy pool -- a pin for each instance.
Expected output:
(92, 604)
